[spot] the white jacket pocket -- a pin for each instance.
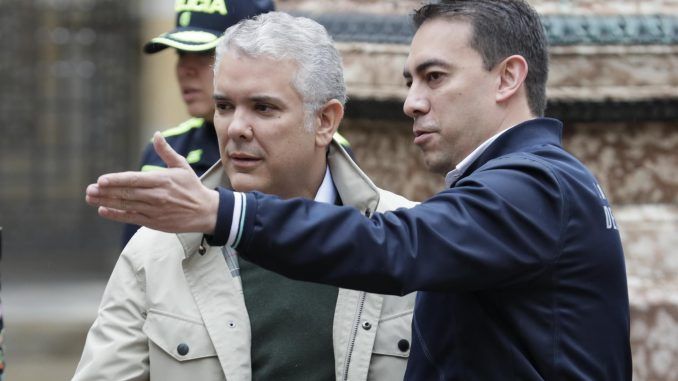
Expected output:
(391, 348)
(180, 348)
(394, 336)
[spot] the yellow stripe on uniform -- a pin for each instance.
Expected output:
(341, 140)
(149, 168)
(194, 156)
(183, 127)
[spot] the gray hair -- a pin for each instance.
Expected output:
(277, 35)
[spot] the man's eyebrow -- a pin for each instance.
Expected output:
(265, 99)
(253, 99)
(425, 65)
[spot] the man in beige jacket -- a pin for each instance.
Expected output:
(177, 309)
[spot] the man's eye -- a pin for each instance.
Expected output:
(223, 106)
(263, 107)
(434, 76)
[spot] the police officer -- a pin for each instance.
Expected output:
(198, 28)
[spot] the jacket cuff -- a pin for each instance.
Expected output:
(222, 229)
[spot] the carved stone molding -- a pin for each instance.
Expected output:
(546, 7)
(593, 58)
(664, 110)
(577, 73)
(560, 29)
(620, 73)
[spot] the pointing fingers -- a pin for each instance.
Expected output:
(131, 179)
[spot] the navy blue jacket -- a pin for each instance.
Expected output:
(520, 263)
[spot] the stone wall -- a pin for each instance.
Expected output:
(636, 163)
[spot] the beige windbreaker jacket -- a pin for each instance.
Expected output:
(169, 313)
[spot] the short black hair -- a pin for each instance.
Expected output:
(500, 29)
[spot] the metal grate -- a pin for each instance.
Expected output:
(68, 75)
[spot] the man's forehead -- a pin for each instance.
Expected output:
(442, 30)
(436, 40)
(254, 78)
(260, 63)
(423, 58)
(237, 53)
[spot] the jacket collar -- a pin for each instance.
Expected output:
(353, 188)
(352, 184)
(212, 178)
(539, 131)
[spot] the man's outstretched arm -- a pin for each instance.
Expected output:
(171, 200)
(502, 222)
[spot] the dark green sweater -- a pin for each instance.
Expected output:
(291, 325)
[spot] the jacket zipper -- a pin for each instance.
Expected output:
(356, 325)
(354, 333)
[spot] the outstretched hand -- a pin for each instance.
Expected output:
(172, 200)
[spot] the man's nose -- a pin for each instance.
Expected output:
(240, 127)
(416, 103)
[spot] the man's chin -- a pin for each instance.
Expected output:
(243, 182)
(437, 166)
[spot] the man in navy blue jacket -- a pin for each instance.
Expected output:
(519, 261)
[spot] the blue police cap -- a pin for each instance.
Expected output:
(200, 23)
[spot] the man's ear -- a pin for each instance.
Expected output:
(511, 75)
(328, 117)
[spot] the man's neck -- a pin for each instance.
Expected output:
(459, 169)
(317, 172)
